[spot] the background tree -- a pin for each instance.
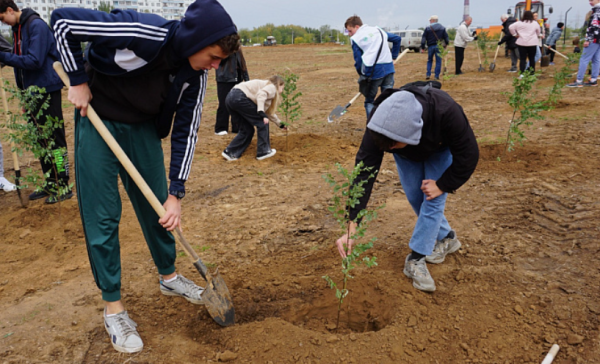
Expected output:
(105, 6)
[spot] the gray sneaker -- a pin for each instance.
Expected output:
(183, 287)
(447, 245)
(417, 270)
(123, 333)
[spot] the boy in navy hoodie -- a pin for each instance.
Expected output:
(33, 53)
(146, 75)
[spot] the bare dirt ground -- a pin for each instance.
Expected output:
(526, 277)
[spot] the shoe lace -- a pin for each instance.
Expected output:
(126, 325)
(420, 268)
(190, 286)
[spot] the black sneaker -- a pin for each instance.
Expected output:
(52, 199)
(590, 83)
(36, 195)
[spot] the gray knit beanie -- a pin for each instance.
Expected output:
(399, 118)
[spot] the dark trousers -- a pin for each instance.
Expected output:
(58, 171)
(222, 123)
(524, 54)
(244, 112)
(98, 171)
(459, 52)
(514, 57)
(550, 53)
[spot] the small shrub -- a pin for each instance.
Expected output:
(346, 195)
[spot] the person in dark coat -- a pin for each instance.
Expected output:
(433, 34)
(232, 71)
(32, 55)
(509, 40)
(436, 152)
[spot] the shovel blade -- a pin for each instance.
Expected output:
(492, 67)
(336, 113)
(217, 300)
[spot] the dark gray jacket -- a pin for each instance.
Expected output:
(232, 69)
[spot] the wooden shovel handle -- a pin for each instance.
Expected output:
(5, 105)
(125, 161)
(557, 52)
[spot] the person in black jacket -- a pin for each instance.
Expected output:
(436, 152)
(231, 71)
(33, 53)
(510, 40)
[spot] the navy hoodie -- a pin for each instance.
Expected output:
(139, 68)
(34, 52)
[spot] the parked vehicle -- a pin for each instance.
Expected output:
(270, 41)
(411, 39)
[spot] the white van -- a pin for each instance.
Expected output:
(411, 39)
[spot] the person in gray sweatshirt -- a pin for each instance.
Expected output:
(552, 39)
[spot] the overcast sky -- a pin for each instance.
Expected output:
(385, 13)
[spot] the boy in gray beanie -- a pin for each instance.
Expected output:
(435, 152)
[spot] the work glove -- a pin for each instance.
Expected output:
(475, 37)
(263, 114)
(499, 43)
(474, 33)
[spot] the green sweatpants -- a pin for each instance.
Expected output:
(96, 170)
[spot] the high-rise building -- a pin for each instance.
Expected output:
(169, 9)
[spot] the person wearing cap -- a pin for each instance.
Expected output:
(144, 75)
(552, 39)
(434, 33)
(435, 152)
(373, 59)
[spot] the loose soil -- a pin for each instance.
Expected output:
(526, 277)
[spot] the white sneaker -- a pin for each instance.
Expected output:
(183, 287)
(268, 155)
(221, 133)
(228, 157)
(447, 245)
(123, 333)
(6, 185)
(417, 270)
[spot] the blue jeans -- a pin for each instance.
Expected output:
(591, 53)
(370, 91)
(431, 51)
(431, 224)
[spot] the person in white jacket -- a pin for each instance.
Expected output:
(463, 36)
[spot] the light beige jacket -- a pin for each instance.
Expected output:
(262, 93)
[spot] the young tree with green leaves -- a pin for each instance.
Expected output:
(346, 195)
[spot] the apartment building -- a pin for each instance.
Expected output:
(169, 9)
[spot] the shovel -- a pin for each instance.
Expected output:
(493, 64)
(339, 110)
(479, 56)
(22, 198)
(216, 296)
(557, 52)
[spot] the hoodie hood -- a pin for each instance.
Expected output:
(25, 14)
(204, 23)
(399, 118)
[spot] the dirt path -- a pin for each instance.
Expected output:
(527, 275)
